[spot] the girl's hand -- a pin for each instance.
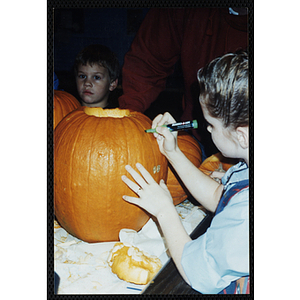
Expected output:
(167, 141)
(153, 197)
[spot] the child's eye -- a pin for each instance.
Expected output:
(81, 76)
(96, 77)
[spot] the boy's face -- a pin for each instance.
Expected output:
(224, 138)
(93, 85)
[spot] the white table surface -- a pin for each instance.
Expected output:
(83, 268)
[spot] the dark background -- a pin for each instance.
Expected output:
(115, 28)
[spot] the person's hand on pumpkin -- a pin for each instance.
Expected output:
(153, 197)
(157, 200)
(167, 141)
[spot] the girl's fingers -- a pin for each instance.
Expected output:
(136, 176)
(166, 133)
(140, 184)
(164, 186)
(147, 176)
(142, 181)
(132, 185)
(129, 199)
(156, 120)
(164, 119)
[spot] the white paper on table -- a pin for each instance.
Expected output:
(148, 239)
(83, 268)
(195, 216)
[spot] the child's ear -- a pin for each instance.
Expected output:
(243, 136)
(113, 85)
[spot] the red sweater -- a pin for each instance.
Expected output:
(194, 35)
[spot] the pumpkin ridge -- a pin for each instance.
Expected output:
(81, 125)
(64, 108)
(65, 126)
(131, 121)
(96, 138)
(89, 174)
(128, 132)
(190, 147)
(109, 204)
(61, 107)
(139, 123)
(63, 104)
(63, 129)
(153, 154)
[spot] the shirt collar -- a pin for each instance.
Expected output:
(236, 173)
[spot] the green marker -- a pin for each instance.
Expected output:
(177, 126)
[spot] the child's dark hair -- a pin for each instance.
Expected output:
(99, 54)
(224, 89)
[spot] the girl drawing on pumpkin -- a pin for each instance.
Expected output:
(217, 261)
(96, 71)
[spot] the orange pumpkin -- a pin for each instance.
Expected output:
(190, 147)
(91, 148)
(217, 162)
(63, 103)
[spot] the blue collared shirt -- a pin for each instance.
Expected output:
(221, 255)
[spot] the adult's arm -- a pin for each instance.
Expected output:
(151, 58)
